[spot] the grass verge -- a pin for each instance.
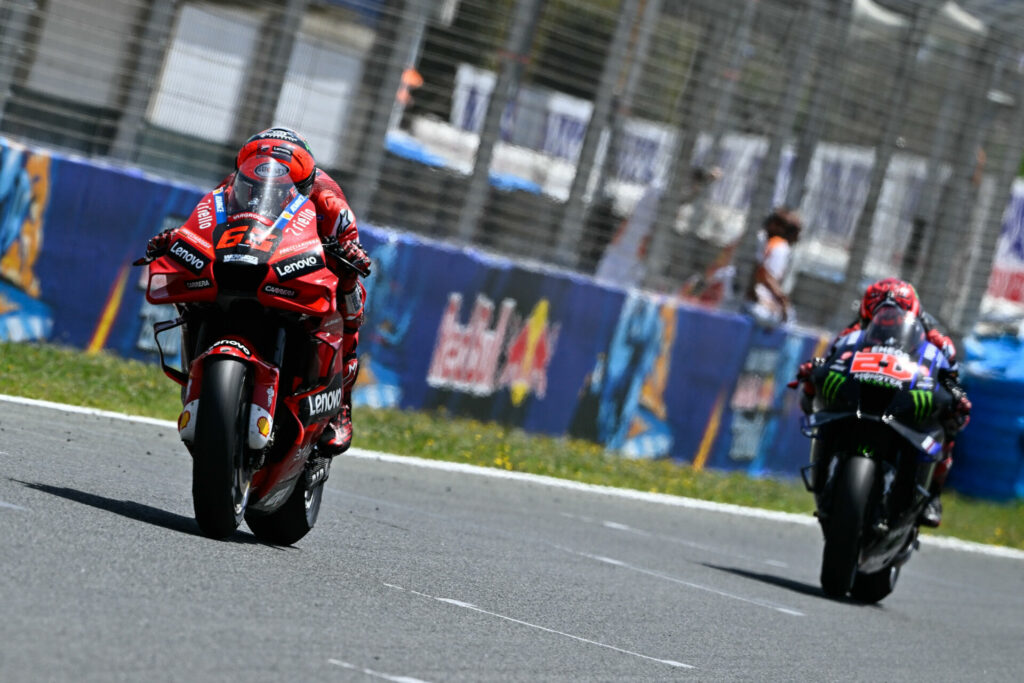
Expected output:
(110, 383)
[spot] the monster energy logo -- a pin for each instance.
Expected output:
(830, 390)
(923, 404)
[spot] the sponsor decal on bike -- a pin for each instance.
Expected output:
(186, 425)
(924, 404)
(218, 204)
(301, 246)
(198, 284)
(305, 218)
(232, 342)
(195, 238)
(298, 265)
(241, 258)
(260, 424)
(833, 382)
(278, 290)
(881, 366)
(182, 252)
(325, 403)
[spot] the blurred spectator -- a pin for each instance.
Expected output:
(624, 261)
(765, 299)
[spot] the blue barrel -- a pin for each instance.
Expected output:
(989, 453)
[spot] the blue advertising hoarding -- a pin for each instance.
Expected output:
(447, 327)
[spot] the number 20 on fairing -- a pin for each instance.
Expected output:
(880, 364)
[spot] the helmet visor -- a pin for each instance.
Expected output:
(261, 186)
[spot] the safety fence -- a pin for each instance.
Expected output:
(544, 349)
(642, 140)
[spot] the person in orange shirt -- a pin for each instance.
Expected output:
(766, 300)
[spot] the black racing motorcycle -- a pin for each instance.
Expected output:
(877, 437)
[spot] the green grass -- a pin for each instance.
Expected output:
(106, 382)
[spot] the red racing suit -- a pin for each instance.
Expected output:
(334, 219)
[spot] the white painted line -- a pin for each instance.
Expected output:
(944, 542)
(625, 528)
(708, 589)
(374, 674)
(12, 506)
(474, 608)
(87, 411)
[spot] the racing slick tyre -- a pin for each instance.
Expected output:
(845, 526)
(294, 519)
(220, 478)
(870, 588)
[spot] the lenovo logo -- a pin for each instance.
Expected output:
(188, 257)
(326, 403)
(299, 265)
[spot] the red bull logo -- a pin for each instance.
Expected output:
(529, 354)
(467, 357)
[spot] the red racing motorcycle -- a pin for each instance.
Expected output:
(260, 355)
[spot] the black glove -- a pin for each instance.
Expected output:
(349, 254)
(961, 406)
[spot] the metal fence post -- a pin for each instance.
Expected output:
(414, 16)
(144, 76)
(772, 163)
(934, 271)
(828, 84)
(517, 48)
(15, 16)
(860, 241)
(693, 101)
(1006, 173)
(571, 228)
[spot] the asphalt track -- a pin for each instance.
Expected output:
(424, 572)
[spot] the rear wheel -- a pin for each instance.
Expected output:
(220, 477)
(850, 497)
(871, 588)
(294, 519)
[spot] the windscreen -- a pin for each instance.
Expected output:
(261, 186)
(892, 326)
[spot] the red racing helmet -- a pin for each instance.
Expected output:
(287, 147)
(890, 289)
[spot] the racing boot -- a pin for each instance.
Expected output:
(931, 516)
(337, 437)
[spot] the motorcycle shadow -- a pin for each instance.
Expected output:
(137, 511)
(790, 584)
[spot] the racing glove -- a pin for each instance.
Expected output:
(803, 374)
(158, 244)
(961, 406)
(349, 255)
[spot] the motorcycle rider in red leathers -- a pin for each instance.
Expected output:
(336, 225)
(903, 294)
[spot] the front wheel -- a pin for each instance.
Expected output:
(850, 496)
(220, 477)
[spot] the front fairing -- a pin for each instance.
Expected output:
(220, 255)
(886, 373)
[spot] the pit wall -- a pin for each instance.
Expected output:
(447, 328)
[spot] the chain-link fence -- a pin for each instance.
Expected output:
(643, 141)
